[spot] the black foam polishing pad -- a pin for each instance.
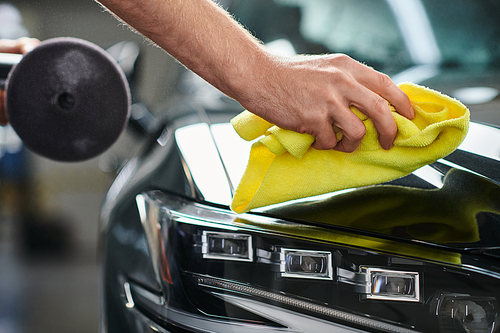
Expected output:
(68, 100)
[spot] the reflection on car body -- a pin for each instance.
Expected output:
(418, 254)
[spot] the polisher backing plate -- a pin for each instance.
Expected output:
(68, 100)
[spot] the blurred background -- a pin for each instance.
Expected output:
(49, 211)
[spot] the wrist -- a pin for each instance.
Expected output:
(252, 81)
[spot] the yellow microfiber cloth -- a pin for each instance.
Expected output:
(283, 166)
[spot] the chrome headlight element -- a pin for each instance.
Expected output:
(306, 264)
(382, 284)
(226, 246)
(393, 285)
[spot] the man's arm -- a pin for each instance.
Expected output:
(307, 94)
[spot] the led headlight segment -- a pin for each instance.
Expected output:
(465, 313)
(306, 264)
(393, 285)
(227, 246)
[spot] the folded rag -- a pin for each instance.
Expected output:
(283, 166)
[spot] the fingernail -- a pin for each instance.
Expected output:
(412, 112)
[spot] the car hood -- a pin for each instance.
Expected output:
(455, 200)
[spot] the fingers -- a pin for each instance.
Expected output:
(377, 109)
(352, 128)
(28, 45)
(382, 85)
(351, 138)
(325, 139)
(21, 45)
(372, 92)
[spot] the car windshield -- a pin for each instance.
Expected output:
(390, 35)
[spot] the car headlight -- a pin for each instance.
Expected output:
(260, 273)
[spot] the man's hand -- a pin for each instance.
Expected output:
(20, 46)
(307, 94)
(311, 94)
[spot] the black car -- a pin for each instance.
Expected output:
(418, 254)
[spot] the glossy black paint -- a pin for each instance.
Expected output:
(128, 257)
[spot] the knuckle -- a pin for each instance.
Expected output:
(358, 132)
(301, 129)
(333, 105)
(339, 77)
(341, 58)
(380, 105)
(385, 80)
